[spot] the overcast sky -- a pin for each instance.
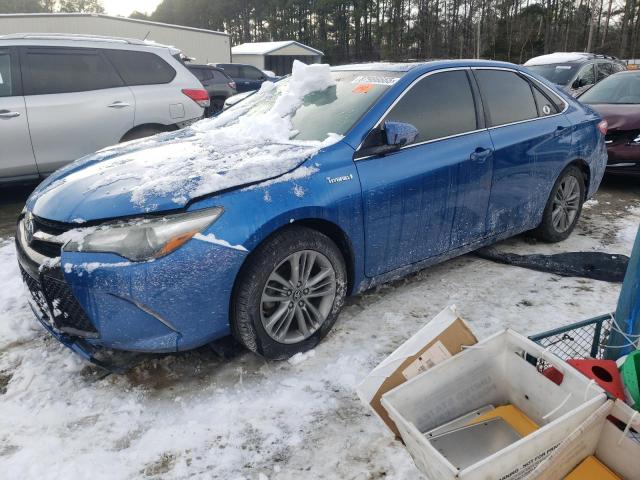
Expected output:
(125, 7)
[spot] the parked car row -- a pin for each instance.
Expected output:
(260, 227)
(65, 96)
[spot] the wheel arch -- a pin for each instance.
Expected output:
(586, 172)
(326, 227)
(156, 126)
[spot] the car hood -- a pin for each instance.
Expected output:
(164, 173)
(619, 117)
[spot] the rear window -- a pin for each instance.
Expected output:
(506, 96)
(61, 70)
(141, 68)
(560, 74)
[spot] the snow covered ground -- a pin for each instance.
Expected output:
(194, 415)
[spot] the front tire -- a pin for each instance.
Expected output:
(289, 293)
(564, 206)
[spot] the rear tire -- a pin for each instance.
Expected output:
(563, 207)
(277, 312)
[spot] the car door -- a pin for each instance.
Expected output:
(531, 138)
(414, 197)
(253, 77)
(76, 102)
(16, 154)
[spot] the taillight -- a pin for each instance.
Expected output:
(603, 126)
(201, 97)
(232, 85)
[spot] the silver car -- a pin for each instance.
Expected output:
(64, 96)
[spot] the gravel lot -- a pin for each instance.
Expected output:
(195, 415)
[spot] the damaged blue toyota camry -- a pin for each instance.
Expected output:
(258, 222)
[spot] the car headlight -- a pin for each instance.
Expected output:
(142, 239)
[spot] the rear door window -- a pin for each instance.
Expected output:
(232, 70)
(440, 105)
(585, 77)
(603, 70)
(66, 70)
(506, 96)
(6, 72)
(545, 105)
(252, 73)
(141, 68)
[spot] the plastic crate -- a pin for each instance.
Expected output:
(585, 339)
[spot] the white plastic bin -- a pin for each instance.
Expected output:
(494, 371)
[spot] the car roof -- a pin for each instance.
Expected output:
(567, 57)
(67, 37)
(203, 65)
(422, 65)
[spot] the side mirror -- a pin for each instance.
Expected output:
(392, 137)
(400, 134)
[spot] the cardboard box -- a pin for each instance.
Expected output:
(444, 336)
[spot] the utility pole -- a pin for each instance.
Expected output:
(592, 27)
(478, 39)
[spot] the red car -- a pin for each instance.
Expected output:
(617, 100)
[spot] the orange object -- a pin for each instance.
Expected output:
(363, 88)
(604, 372)
(513, 416)
(591, 469)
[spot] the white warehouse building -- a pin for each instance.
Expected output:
(275, 56)
(205, 46)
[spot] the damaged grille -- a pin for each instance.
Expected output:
(57, 302)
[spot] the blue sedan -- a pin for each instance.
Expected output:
(259, 222)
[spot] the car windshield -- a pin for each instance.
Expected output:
(616, 89)
(559, 74)
(333, 110)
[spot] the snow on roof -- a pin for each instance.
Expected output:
(557, 57)
(263, 48)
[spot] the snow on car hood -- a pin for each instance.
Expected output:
(242, 145)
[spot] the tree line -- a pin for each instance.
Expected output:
(365, 30)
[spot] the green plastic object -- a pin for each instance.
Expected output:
(630, 371)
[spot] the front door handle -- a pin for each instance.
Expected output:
(119, 104)
(8, 114)
(559, 129)
(480, 155)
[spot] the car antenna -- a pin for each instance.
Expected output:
(145, 37)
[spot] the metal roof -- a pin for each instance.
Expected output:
(111, 17)
(264, 48)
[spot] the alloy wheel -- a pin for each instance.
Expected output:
(566, 204)
(298, 296)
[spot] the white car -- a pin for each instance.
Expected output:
(65, 96)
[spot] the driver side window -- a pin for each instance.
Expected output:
(585, 77)
(439, 105)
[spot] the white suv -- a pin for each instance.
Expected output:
(65, 96)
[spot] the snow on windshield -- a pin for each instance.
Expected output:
(251, 142)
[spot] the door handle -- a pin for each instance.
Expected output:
(480, 155)
(559, 129)
(8, 114)
(119, 104)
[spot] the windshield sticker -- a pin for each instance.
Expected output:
(375, 79)
(363, 88)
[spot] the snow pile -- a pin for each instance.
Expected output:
(557, 57)
(251, 142)
(193, 415)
